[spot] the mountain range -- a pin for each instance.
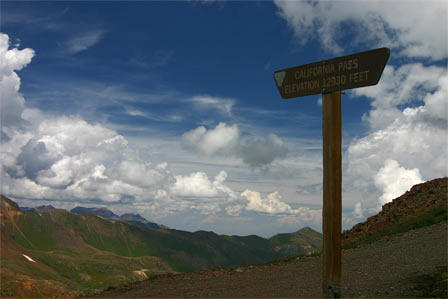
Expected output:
(39, 209)
(50, 251)
(130, 218)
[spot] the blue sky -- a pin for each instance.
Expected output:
(170, 110)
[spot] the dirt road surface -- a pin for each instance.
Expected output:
(380, 270)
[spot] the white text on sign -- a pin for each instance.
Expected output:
(331, 76)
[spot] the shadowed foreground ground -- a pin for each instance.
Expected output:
(398, 266)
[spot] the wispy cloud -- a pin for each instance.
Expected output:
(154, 116)
(224, 105)
(36, 17)
(83, 42)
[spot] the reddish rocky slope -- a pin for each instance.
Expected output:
(422, 197)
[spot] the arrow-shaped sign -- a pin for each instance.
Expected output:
(346, 72)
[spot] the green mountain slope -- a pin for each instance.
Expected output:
(40, 257)
(303, 242)
(183, 251)
(87, 252)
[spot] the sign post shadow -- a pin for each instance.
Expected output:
(330, 77)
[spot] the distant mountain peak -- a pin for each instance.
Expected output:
(306, 231)
(135, 219)
(102, 212)
(39, 209)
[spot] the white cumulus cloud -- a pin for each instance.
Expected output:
(222, 140)
(402, 86)
(413, 28)
(12, 102)
(195, 185)
(71, 160)
(408, 135)
(200, 193)
(262, 151)
(142, 173)
(395, 180)
(225, 140)
(272, 205)
(415, 137)
(67, 159)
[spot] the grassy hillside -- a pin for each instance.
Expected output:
(87, 253)
(305, 241)
(62, 261)
(183, 251)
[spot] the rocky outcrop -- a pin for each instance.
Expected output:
(421, 197)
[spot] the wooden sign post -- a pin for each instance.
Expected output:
(330, 77)
(332, 195)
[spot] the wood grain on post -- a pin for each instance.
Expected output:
(332, 198)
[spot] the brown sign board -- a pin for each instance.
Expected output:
(346, 72)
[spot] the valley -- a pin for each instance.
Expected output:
(86, 253)
(50, 252)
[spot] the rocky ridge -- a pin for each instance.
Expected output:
(422, 197)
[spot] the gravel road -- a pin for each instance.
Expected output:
(380, 270)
